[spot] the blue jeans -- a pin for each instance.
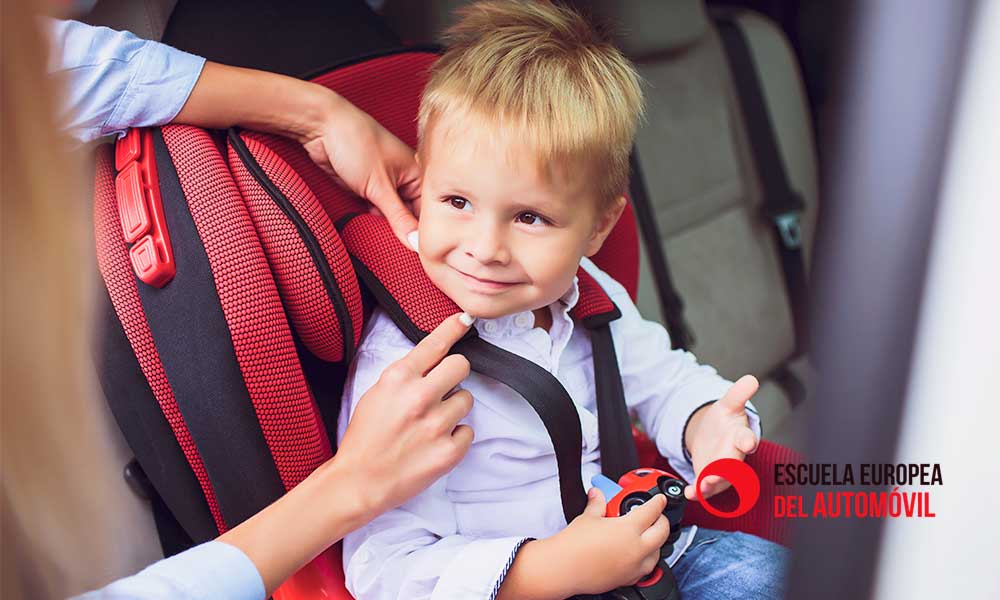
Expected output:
(725, 565)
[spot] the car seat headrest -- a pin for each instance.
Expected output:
(310, 264)
(642, 28)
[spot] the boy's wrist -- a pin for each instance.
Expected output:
(691, 427)
(540, 572)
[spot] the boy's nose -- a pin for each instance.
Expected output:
(487, 246)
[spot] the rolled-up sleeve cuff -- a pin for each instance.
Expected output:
(215, 570)
(479, 569)
(158, 90)
(206, 572)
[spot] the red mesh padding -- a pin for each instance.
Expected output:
(619, 256)
(337, 201)
(116, 270)
(760, 519)
(593, 300)
(306, 298)
(252, 308)
(386, 88)
(370, 239)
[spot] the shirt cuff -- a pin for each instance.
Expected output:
(753, 421)
(213, 570)
(479, 569)
(159, 88)
(670, 437)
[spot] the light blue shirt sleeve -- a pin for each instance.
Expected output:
(211, 571)
(112, 80)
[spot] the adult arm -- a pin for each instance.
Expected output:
(385, 457)
(113, 80)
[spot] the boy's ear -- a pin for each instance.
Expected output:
(605, 223)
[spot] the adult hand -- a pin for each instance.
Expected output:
(341, 138)
(370, 161)
(404, 433)
(721, 430)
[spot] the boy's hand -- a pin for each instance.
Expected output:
(721, 430)
(606, 553)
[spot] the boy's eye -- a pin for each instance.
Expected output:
(458, 202)
(529, 218)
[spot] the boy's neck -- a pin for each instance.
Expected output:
(543, 318)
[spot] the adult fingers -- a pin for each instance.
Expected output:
(410, 183)
(436, 345)
(644, 515)
(451, 371)
(735, 399)
(454, 408)
(384, 196)
(462, 437)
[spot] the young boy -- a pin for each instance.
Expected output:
(525, 131)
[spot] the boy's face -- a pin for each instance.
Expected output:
(497, 234)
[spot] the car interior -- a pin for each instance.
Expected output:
(725, 183)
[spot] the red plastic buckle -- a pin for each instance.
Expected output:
(140, 209)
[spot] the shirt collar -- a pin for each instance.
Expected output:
(525, 320)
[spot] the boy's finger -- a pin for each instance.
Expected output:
(596, 505)
(689, 493)
(735, 400)
(436, 345)
(646, 514)
(746, 441)
(657, 534)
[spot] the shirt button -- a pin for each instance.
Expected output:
(523, 320)
(363, 556)
(490, 327)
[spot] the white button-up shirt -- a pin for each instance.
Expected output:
(457, 538)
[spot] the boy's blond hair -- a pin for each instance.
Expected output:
(542, 71)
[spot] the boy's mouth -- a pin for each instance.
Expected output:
(484, 285)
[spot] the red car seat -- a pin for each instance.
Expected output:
(238, 278)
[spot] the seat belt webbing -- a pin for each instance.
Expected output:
(618, 452)
(671, 304)
(537, 386)
(783, 206)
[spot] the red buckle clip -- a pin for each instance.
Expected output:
(140, 209)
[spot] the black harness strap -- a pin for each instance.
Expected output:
(783, 206)
(618, 452)
(552, 403)
(671, 303)
(542, 391)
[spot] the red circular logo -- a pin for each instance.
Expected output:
(740, 476)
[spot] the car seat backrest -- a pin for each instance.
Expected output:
(145, 18)
(700, 176)
(206, 365)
